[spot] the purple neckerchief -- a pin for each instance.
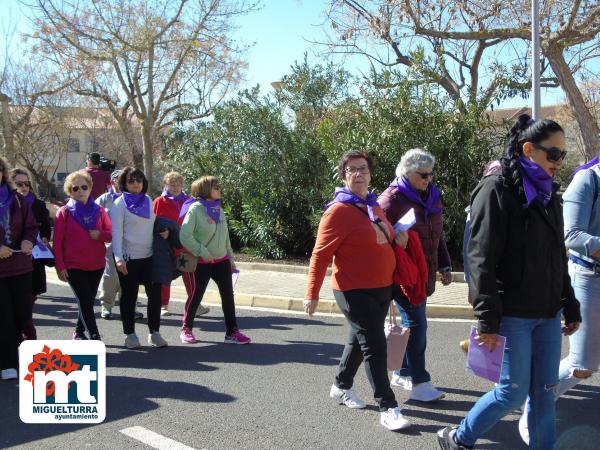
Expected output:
(137, 204)
(86, 214)
(186, 206)
(428, 203)
(6, 198)
(29, 198)
(114, 195)
(180, 198)
(344, 195)
(536, 182)
(587, 165)
(213, 209)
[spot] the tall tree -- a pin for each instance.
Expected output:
(569, 39)
(160, 61)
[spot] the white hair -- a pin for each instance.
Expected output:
(413, 160)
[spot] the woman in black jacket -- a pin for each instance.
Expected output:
(21, 180)
(519, 283)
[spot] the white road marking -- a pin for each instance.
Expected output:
(153, 439)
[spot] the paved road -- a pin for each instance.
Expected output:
(270, 394)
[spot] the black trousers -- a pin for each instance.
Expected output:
(139, 272)
(15, 312)
(84, 284)
(365, 311)
(221, 273)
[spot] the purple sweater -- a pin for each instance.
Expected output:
(23, 227)
(431, 230)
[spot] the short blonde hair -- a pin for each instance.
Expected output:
(73, 176)
(172, 177)
(202, 187)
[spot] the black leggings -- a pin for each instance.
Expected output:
(15, 312)
(221, 273)
(84, 284)
(365, 311)
(139, 271)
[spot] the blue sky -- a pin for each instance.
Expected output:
(281, 31)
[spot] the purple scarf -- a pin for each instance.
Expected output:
(587, 165)
(6, 198)
(536, 182)
(344, 195)
(29, 198)
(85, 215)
(433, 195)
(180, 198)
(186, 206)
(213, 209)
(137, 204)
(114, 195)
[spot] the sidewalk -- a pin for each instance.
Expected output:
(283, 287)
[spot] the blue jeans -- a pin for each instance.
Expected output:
(584, 345)
(530, 367)
(414, 317)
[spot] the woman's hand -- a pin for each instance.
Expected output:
(164, 234)
(26, 247)
(95, 234)
(122, 267)
(446, 278)
(233, 266)
(310, 306)
(5, 252)
(402, 239)
(569, 328)
(487, 339)
(63, 275)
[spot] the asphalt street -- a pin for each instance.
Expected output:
(272, 393)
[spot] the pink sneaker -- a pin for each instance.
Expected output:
(187, 337)
(237, 337)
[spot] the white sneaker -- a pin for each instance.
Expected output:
(404, 382)
(9, 374)
(425, 392)
(164, 311)
(202, 310)
(156, 340)
(393, 419)
(132, 342)
(523, 425)
(346, 397)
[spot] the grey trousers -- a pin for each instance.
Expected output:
(109, 285)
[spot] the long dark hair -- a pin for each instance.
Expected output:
(526, 129)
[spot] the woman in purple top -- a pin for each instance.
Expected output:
(412, 189)
(17, 235)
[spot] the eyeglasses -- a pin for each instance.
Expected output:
(553, 154)
(354, 170)
(134, 180)
(425, 176)
(83, 187)
(23, 183)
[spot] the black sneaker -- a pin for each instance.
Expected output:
(139, 315)
(447, 442)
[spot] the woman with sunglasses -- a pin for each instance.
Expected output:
(133, 225)
(22, 182)
(412, 189)
(81, 230)
(17, 235)
(520, 283)
(204, 233)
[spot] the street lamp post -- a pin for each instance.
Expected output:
(535, 59)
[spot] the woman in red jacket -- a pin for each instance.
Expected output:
(80, 231)
(17, 235)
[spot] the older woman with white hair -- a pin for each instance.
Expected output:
(412, 189)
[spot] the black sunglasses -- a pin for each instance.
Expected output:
(23, 183)
(84, 187)
(135, 180)
(425, 175)
(553, 154)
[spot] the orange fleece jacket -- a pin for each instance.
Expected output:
(362, 256)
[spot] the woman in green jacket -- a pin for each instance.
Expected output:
(204, 234)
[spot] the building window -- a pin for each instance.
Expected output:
(95, 144)
(60, 176)
(73, 145)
